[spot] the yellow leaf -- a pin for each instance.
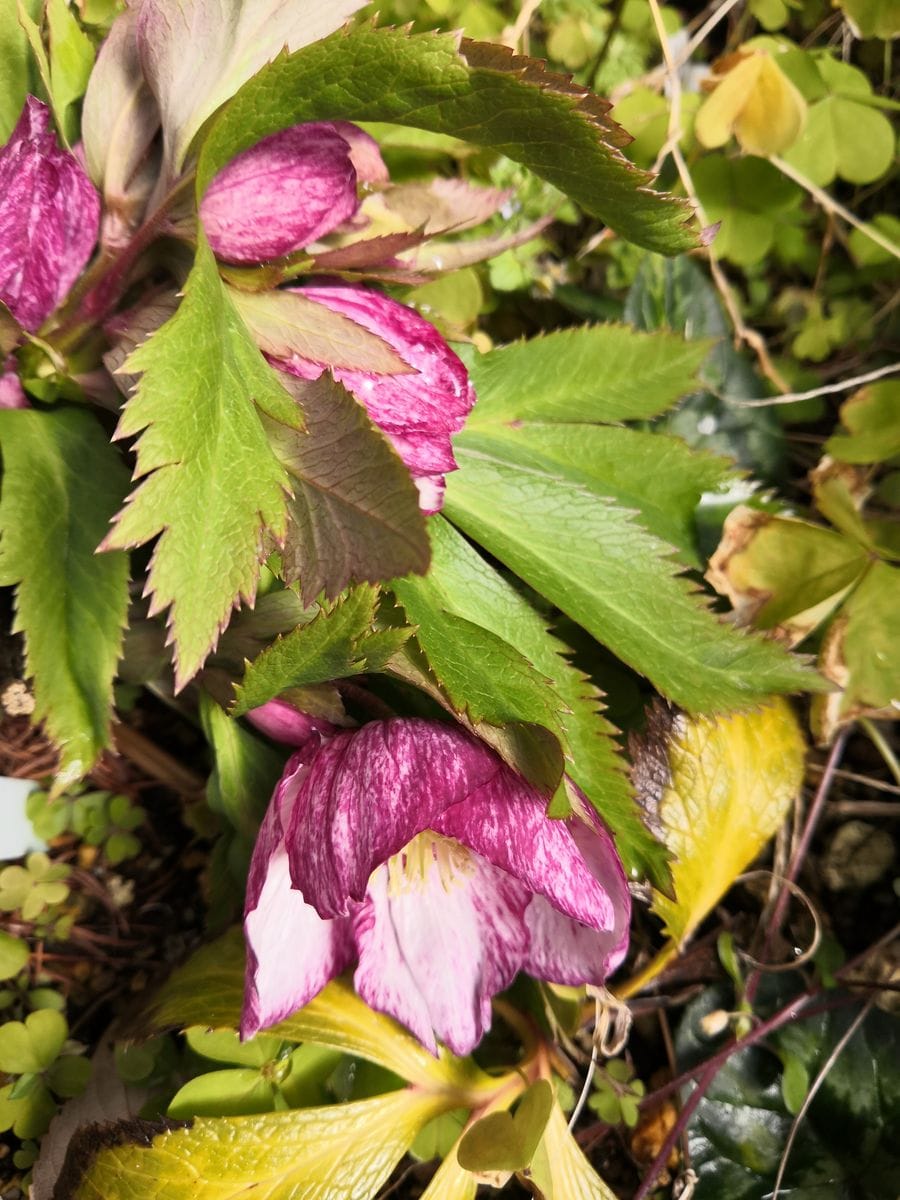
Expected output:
(731, 781)
(562, 1172)
(343, 1152)
(757, 103)
(451, 1181)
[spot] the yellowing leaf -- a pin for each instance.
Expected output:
(506, 1141)
(343, 1152)
(731, 781)
(862, 655)
(560, 1170)
(872, 418)
(757, 103)
(451, 1182)
(783, 574)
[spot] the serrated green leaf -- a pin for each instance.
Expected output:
(461, 582)
(354, 516)
(245, 769)
(477, 91)
(603, 373)
(209, 988)
(339, 642)
(596, 563)
(653, 473)
(212, 482)
(343, 1152)
(62, 482)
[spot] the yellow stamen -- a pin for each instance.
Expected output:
(408, 869)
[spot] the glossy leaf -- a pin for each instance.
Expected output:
(209, 482)
(62, 482)
(602, 373)
(342, 1152)
(592, 559)
(537, 118)
(340, 641)
(730, 784)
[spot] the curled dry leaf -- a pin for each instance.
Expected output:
(783, 574)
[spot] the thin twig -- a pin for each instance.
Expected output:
(828, 389)
(523, 20)
(831, 205)
(742, 332)
(817, 1083)
(882, 745)
(798, 858)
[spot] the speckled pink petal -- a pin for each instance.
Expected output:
(291, 951)
(287, 191)
(434, 950)
(49, 218)
(367, 793)
(417, 412)
(506, 822)
(12, 394)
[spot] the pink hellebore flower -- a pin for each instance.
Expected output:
(288, 190)
(409, 847)
(49, 218)
(418, 411)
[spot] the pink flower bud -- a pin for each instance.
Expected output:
(49, 218)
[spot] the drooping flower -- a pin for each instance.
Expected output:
(409, 847)
(288, 190)
(49, 218)
(417, 411)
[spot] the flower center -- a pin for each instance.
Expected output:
(408, 870)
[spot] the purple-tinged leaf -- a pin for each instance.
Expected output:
(440, 205)
(354, 516)
(417, 412)
(49, 215)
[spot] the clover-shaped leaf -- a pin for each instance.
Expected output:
(617, 1094)
(32, 1045)
(14, 955)
(34, 887)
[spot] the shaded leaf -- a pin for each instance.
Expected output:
(730, 783)
(593, 560)
(212, 482)
(846, 1144)
(478, 91)
(861, 654)
(603, 373)
(354, 516)
(62, 482)
(873, 18)
(872, 419)
(245, 770)
(238, 1092)
(71, 62)
(507, 1141)
(340, 641)
(343, 1152)
(781, 573)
